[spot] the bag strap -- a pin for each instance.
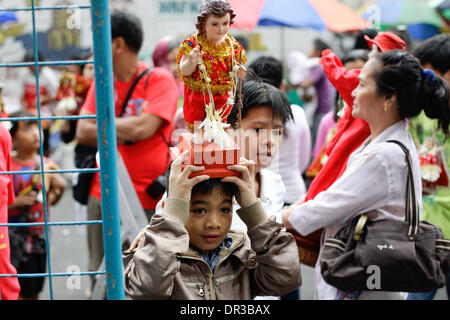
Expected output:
(412, 209)
(130, 92)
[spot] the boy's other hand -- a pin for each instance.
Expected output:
(246, 196)
(180, 186)
(287, 211)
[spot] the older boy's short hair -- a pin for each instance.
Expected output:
(269, 69)
(256, 93)
(21, 114)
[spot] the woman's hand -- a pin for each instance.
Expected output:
(246, 196)
(285, 213)
(300, 201)
(180, 186)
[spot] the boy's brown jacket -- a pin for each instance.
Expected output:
(262, 262)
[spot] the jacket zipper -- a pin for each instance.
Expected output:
(201, 292)
(211, 286)
(212, 277)
(200, 286)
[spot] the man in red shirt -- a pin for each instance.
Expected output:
(9, 287)
(144, 129)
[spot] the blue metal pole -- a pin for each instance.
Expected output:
(107, 145)
(41, 150)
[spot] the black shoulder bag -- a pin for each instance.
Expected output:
(410, 255)
(85, 155)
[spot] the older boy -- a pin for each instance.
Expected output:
(189, 252)
(265, 112)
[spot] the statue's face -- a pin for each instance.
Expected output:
(216, 28)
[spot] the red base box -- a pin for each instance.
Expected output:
(214, 158)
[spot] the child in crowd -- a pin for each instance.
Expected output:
(28, 244)
(210, 62)
(188, 252)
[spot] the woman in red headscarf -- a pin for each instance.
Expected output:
(350, 132)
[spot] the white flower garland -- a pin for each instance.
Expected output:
(213, 125)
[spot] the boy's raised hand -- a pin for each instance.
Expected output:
(180, 186)
(246, 196)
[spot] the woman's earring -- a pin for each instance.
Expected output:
(385, 108)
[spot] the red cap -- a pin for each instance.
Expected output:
(386, 41)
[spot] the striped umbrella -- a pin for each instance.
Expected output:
(315, 14)
(401, 12)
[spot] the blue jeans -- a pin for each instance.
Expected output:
(428, 295)
(294, 295)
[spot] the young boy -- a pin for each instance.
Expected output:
(188, 252)
(28, 249)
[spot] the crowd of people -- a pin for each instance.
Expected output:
(319, 125)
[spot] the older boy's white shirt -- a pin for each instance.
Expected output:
(294, 155)
(370, 182)
(271, 196)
